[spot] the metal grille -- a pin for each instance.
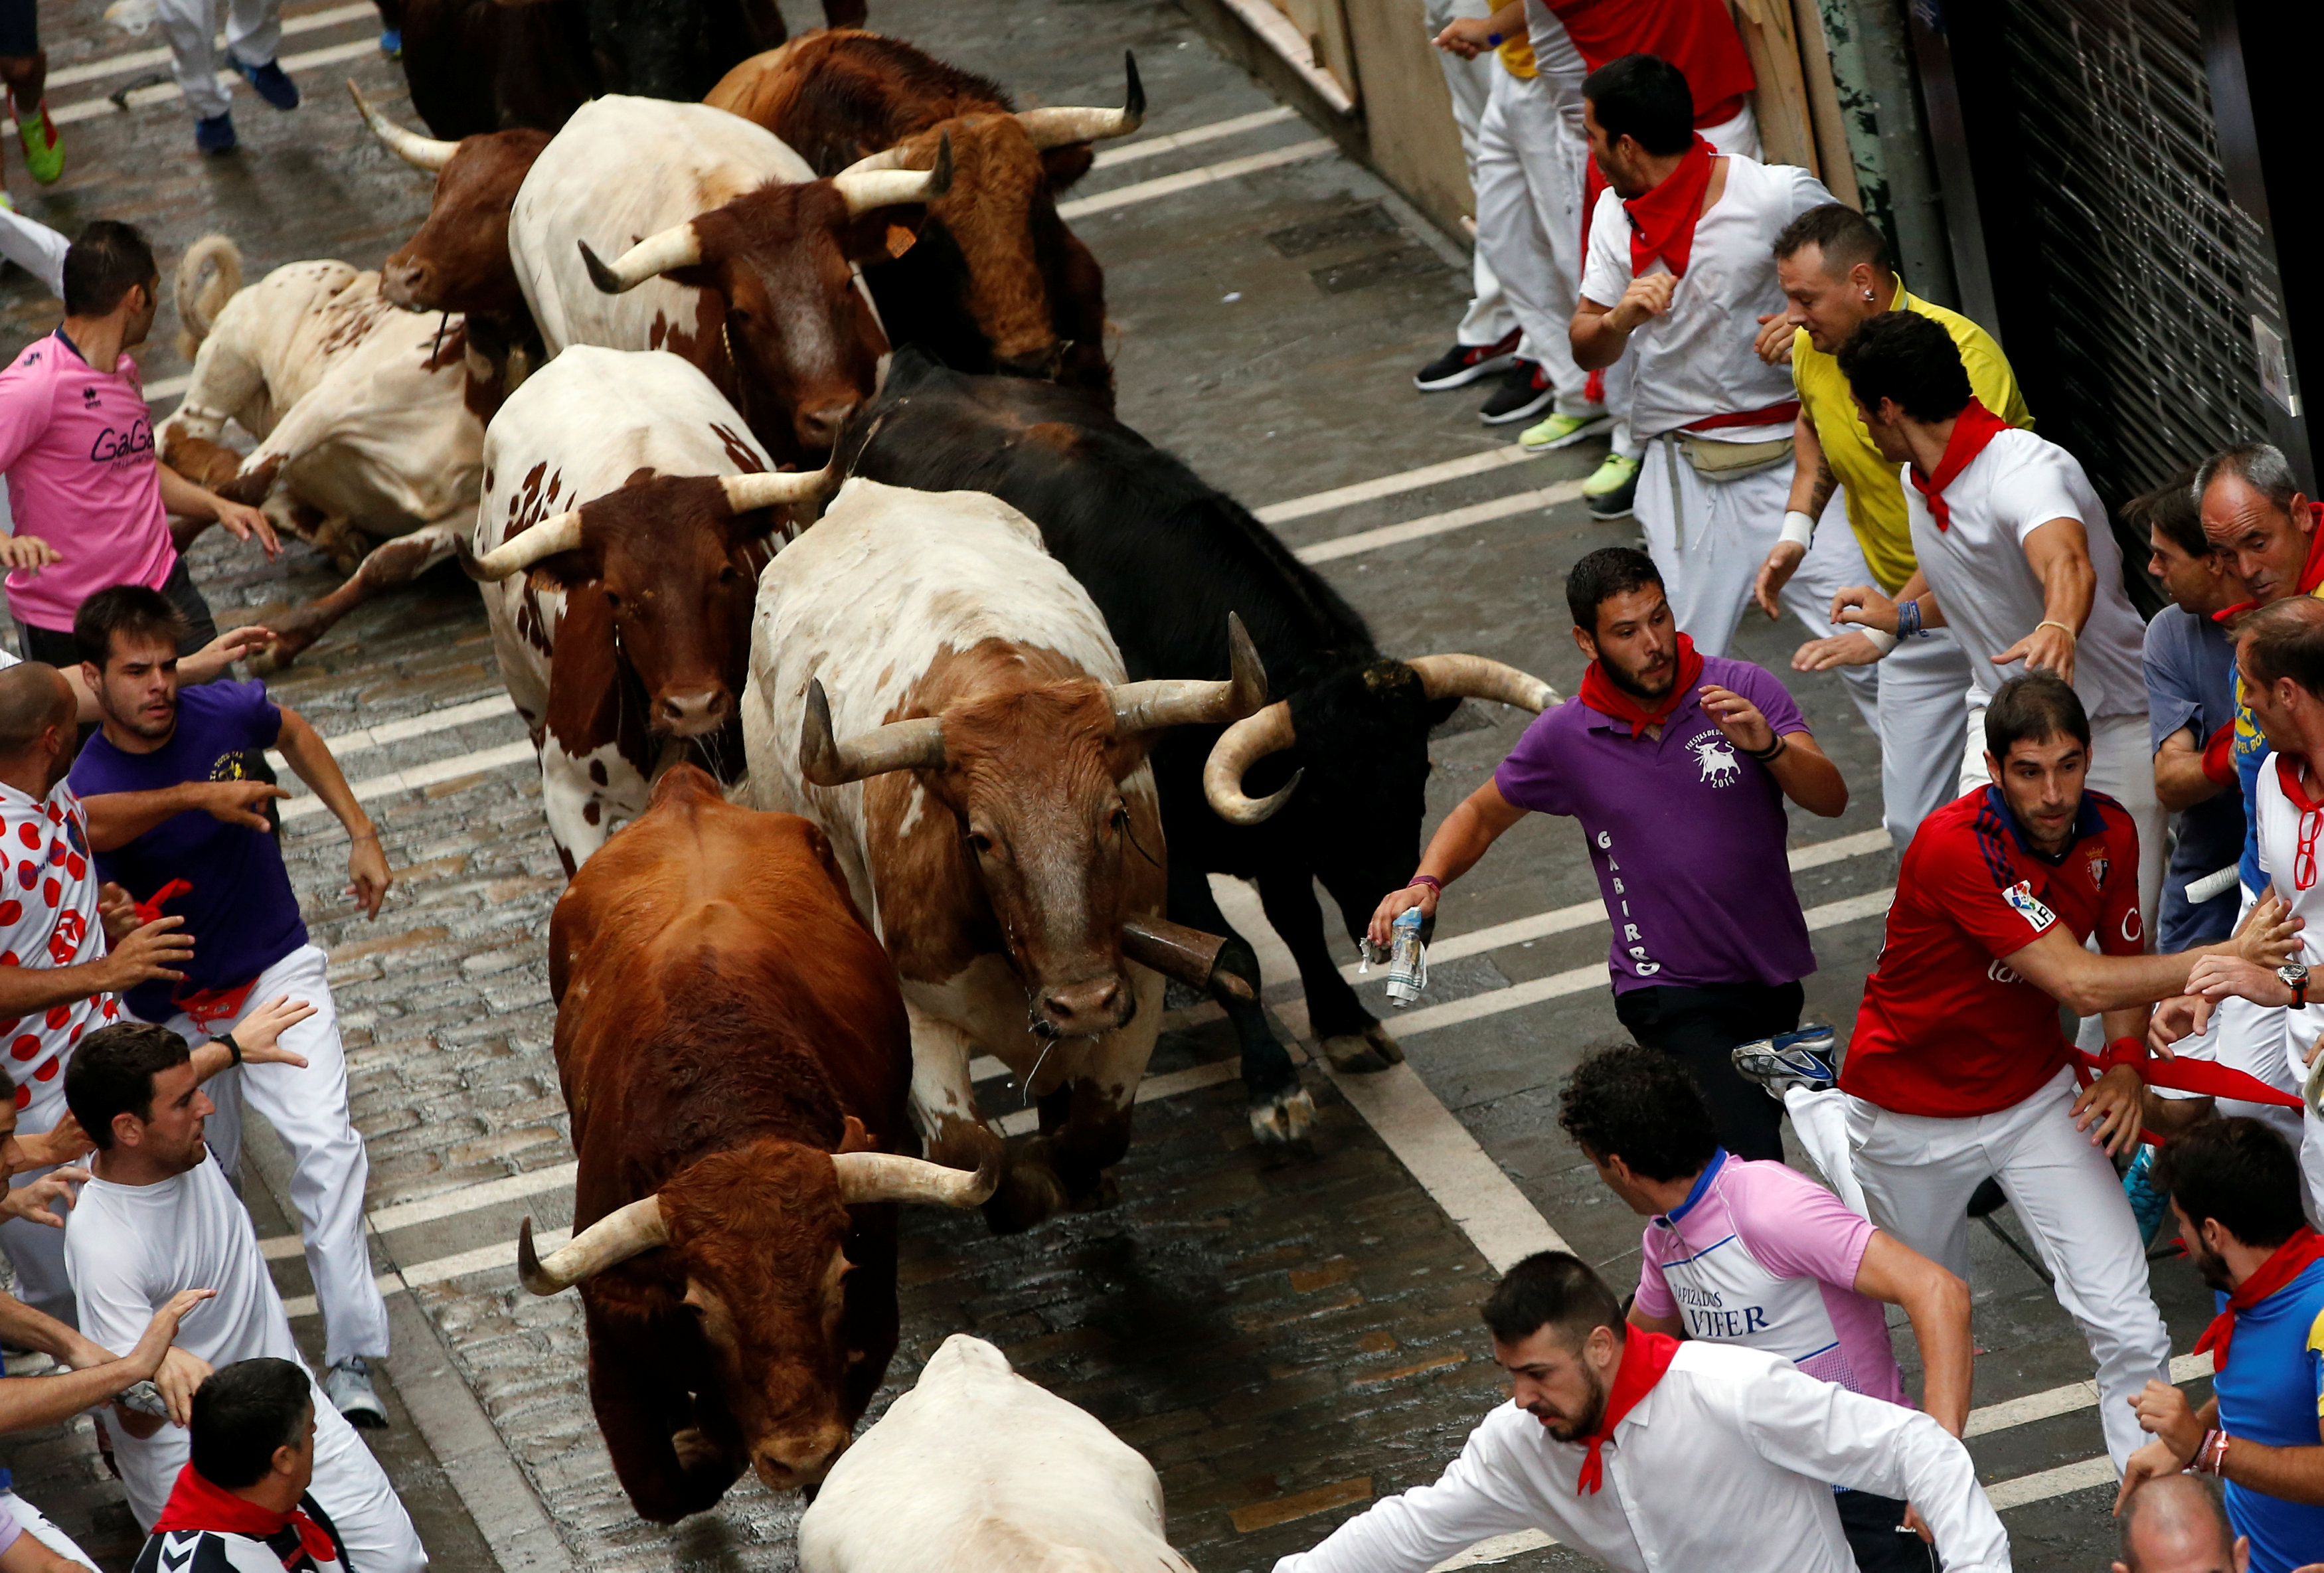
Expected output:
(2135, 253)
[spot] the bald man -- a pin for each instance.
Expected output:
(2173, 1524)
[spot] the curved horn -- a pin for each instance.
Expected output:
(774, 488)
(421, 152)
(1475, 677)
(559, 532)
(1184, 701)
(866, 188)
(1051, 128)
(611, 1240)
(869, 1177)
(900, 745)
(1238, 748)
(676, 247)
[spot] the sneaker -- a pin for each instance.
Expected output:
(348, 1385)
(1465, 364)
(270, 84)
(1612, 488)
(216, 134)
(1788, 1060)
(2147, 1204)
(1524, 393)
(44, 149)
(1559, 430)
(391, 43)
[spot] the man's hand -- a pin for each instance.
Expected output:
(2108, 1108)
(2150, 1462)
(234, 801)
(61, 1143)
(2163, 1411)
(367, 874)
(1466, 36)
(223, 651)
(145, 1359)
(1863, 606)
(45, 1199)
(257, 1032)
(1841, 649)
(177, 1377)
(2181, 1017)
(2048, 648)
(1646, 299)
(1737, 719)
(2269, 934)
(1775, 573)
(245, 522)
(27, 554)
(1773, 344)
(117, 910)
(151, 954)
(2216, 977)
(1918, 1525)
(1396, 903)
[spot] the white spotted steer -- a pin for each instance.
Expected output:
(937, 692)
(626, 514)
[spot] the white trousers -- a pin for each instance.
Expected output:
(35, 1523)
(1488, 319)
(1917, 1173)
(34, 247)
(253, 31)
(1528, 187)
(2312, 1165)
(308, 1110)
(1709, 538)
(35, 1250)
(348, 1483)
(2122, 765)
(1922, 721)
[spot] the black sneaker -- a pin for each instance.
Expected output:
(1612, 488)
(1524, 393)
(1465, 364)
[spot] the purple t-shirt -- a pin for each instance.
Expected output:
(1686, 833)
(242, 912)
(1762, 1255)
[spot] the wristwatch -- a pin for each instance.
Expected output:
(2294, 974)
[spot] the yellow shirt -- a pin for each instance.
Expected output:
(1876, 492)
(1517, 56)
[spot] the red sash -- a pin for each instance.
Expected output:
(1662, 222)
(1645, 1355)
(1599, 694)
(2291, 1258)
(2178, 1075)
(195, 1504)
(208, 1006)
(1973, 427)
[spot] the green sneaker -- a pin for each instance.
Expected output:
(1559, 430)
(44, 149)
(1610, 488)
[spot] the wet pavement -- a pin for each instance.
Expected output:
(1286, 1334)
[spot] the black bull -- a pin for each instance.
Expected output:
(1166, 557)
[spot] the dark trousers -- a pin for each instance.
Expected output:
(1699, 1028)
(1870, 1523)
(56, 647)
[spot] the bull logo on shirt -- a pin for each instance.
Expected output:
(1717, 757)
(2098, 867)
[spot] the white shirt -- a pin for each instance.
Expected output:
(1697, 358)
(48, 918)
(1727, 1464)
(1987, 590)
(1557, 65)
(2279, 821)
(128, 1248)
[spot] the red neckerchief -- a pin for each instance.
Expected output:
(1599, 694)
(2311, 821)
(209, 1007)
(1662, 222)
(196, 1505)
(1645, 1355)
(1973, 427)
(148, 909)
(2311, 571)
(2303, 1250)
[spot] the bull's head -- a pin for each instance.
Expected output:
(1033, 774)
(674, 555)
(801, 334)
(458, 259)
(1363, 733)
(749, 1241)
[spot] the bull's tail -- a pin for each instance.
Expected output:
(208, 274)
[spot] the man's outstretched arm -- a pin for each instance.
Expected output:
(1481, 820)
(1471, 1501)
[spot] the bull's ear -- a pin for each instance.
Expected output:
(1066, 163)
(858, 1139)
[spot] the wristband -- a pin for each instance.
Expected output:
(2123, 1051)
(1908, 619)
(2061, 628)
(1799, 529)
(231, 1046)
(2219, 756)
(1773, 750)
(1430, 881)
(1883, 642)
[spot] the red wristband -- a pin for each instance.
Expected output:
(2219, 756)
(2124, 1051)
(1430, 881)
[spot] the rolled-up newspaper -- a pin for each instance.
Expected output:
(2217, 882)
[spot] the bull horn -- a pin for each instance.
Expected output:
(612, 1240)
(865, 189)
(1051, 128)
(1184, 702)
(775, 488)
(869, 1177)
(1238, 748)
(676, 247)
(900, 745)
(559, 532)
(1475, 677)
(421, 152)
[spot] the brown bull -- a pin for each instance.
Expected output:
(995, 281)
(728, 1031)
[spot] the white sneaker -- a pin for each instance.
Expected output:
(348, 1385)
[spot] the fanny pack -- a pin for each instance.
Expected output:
(1729, 461)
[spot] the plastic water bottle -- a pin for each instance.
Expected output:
(1407, 960)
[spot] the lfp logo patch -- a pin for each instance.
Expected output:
(2020, 896)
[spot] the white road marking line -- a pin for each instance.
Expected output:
(1019, 1122)
(166, 388)
(1469, 464)
(419, 775)
(1148, 147)
(444, 1269)
(450, 1204)
(168, 92)
(2065, 1400)
(145, 59)
(1411, 530)
(1187, 180)
(355, 740)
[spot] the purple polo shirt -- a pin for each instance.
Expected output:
(1686, 833)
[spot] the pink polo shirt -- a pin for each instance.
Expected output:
(77, 447)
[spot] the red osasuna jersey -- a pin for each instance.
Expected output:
(1945, 1027)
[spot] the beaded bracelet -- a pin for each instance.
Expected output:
(1430, 881)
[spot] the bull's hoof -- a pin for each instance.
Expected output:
(1283, 1118)
(294, 632)
(1028, 1195)
(1364, 1055)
